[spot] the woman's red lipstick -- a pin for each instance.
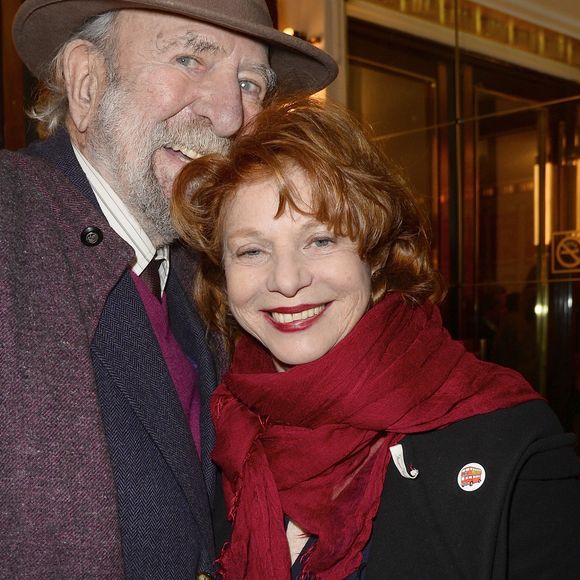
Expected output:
(297, 324)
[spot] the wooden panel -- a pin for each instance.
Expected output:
(13, 126)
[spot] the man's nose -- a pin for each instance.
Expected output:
(222, 105)
(290, 273)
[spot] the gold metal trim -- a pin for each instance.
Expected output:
(489, 24)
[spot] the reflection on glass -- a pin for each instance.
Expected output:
(509, 326)
(399, 107)
(507, 149)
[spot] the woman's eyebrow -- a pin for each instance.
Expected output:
(245, 232)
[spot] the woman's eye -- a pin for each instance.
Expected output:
(249, 253)
(323, 242)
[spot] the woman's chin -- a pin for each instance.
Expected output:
(285, 361)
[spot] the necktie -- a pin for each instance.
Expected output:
(151, 277)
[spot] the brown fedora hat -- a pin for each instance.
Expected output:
(41, 27)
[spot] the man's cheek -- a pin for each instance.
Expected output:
(165, 175)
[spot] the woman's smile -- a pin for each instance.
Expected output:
(295, 318)
(292, 283)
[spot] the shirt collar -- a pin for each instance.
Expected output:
(123, 223)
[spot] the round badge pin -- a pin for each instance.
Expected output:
(471, 477)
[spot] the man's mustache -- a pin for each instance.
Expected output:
(195, 135)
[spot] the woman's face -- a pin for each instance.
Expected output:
(291, 283)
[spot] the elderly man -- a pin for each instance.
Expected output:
(105, 368)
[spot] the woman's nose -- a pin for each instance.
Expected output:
(289, 274)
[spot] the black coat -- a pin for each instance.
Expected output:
(523, 522)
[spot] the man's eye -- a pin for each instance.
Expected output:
(251, 87)
(186, 61)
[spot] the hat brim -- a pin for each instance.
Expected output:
(41, 27)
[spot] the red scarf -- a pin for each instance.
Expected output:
(313, 442)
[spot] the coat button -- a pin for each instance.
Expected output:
(91, 236)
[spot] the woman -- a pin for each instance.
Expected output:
(354, 436)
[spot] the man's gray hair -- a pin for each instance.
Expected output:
(51, 107)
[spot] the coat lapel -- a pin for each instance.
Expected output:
(189, 332)
(126, 347)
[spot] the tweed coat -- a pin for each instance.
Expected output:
(99, 476)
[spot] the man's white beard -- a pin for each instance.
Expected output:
(124, 142)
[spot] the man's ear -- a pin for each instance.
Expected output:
(84, 74)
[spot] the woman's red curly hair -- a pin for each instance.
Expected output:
(354, 189)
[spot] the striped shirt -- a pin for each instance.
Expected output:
(123, 223)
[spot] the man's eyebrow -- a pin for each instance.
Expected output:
(269, 76)
(193, 41)
(201, 43)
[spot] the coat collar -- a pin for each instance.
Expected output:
(96, 267)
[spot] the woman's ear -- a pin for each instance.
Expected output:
(378, 284)
(84, 74)
(375, 269)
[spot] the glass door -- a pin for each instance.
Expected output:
(492, 151)
(505, 261)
